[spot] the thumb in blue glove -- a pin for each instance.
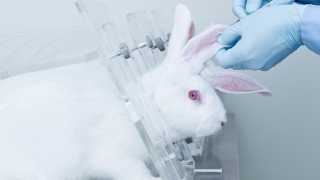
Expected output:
(242, 8)
(261, 40)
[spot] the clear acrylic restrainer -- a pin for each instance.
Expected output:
(26, 52)
(127, 73)
(142, 30)
(160, 32)
(163, 25)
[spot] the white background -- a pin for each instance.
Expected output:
(278, 136)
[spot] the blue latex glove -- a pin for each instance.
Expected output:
(242, 8)
(262, 39)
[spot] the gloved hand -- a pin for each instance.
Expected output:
(242, 8)
(263, 39)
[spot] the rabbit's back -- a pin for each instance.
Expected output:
(52, 121)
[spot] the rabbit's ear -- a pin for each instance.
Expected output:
(191, 32)
(234, 82)
(200, 49)
(183, 30)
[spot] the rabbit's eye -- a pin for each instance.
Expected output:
(195, 95)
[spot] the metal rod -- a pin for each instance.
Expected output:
(115, 55)
(140, 45)
(208, 170)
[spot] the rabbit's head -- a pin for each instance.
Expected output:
(187, 99)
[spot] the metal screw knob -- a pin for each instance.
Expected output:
(160, 44)
(179, 153)
(149, 42)
(168, 36)
(124, 49)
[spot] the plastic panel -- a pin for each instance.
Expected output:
(163, 23)
(33, 51)
(128, 74)
(141, 28)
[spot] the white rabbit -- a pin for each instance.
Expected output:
(70, 123)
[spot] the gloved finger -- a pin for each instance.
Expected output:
(265, 2)
(225, 58)
(239, 8)
(231, 34)
(253, 5)
(282, 2)
(240, 66)
(270, 64)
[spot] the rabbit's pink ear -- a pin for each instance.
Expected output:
(182, 31)
(201, 48)
(191, 32)
(234, 82)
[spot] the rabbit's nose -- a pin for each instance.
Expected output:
(222, 123)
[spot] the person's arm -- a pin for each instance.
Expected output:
(314, 2)
(242, 8)
(263, 39)
(310, 28)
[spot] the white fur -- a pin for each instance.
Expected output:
(70, 123)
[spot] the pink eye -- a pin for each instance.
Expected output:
(195, 95)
